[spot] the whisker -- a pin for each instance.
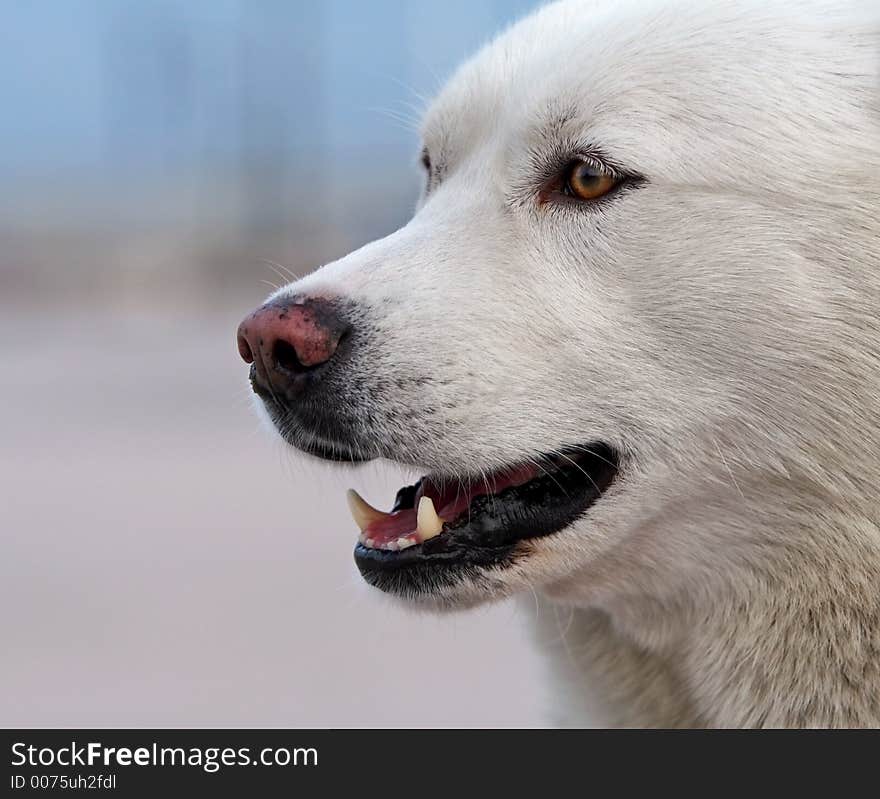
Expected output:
(580, 469)
(405, 121)
(584, 448)
(536, 462)
(282, 271)
(721, 456)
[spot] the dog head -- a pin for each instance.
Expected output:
(639, 290)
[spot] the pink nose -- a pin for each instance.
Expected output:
(289, 339)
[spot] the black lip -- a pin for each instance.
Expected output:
(284, 420)
(489, 532)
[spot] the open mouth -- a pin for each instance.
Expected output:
(478, 522)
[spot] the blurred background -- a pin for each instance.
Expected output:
(165, 562)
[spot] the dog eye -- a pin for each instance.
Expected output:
(585, 180)
(426, 161)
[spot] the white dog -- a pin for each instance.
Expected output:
(633, 336)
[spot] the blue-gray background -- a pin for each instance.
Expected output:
(164, 561)
(218, 130)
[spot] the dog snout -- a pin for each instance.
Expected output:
(291, 342)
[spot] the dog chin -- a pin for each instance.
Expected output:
(465, 591)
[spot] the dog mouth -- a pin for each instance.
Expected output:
(443, 525)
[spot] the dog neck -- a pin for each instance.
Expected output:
(728, 616)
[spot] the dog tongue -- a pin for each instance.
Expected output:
(397, 530)
(393, 526)
(404, 528)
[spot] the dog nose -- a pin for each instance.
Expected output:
(288, 341)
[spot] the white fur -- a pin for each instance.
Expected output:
(720, 325)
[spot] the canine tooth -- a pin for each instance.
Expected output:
(428, 523)
(363, 513)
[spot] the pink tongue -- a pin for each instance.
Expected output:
(392, 527)
(450, 502)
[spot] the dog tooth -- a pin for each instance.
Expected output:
(363, 513)
(392, 545)
(405, 542)
(428, 523)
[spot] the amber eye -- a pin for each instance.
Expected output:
(587, 181)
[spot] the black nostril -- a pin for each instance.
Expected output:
(290, 342)
(286, 359)
(244, 349)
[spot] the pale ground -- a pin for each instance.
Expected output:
(165, 563)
